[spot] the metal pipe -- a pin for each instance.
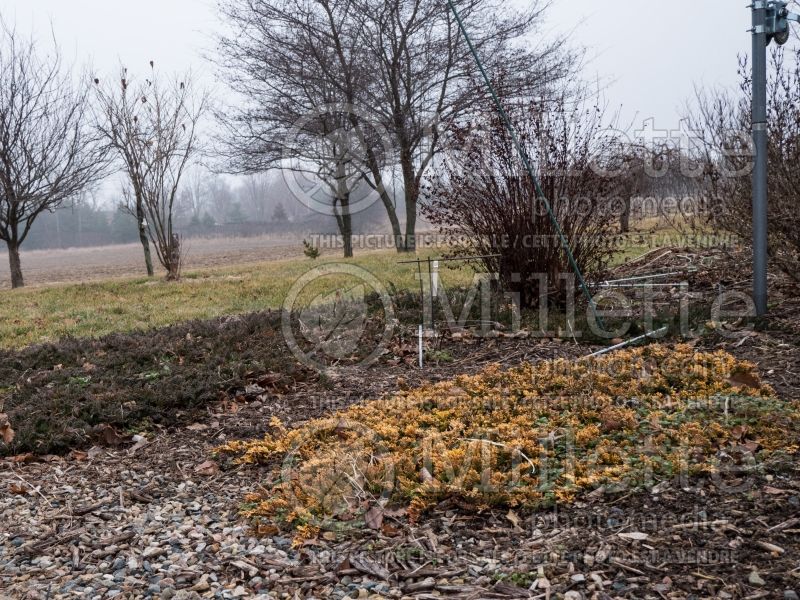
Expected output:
(630, 342)
(452, 259)
(759, 8)
(641, 277)
(421, 349)
(612, 285)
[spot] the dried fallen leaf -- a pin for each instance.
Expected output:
(269, 379)
(139, 442)
(744, 380)
(374, 517)
(542, 583)
(661, 487)
(739, 432)
(107, 435)
(79, 455)
(365, 565)
(344, 566)
(312, 542)
(266, 529)
(197, 427)
(598, 493)
(207, 469)
(514, 518)
(390, 531)
(425, 475)
(6, 433)
(751, 447)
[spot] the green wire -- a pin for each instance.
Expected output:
(526, 161)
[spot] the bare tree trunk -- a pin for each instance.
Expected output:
(409, 181)
(345, 222)
(148, 259)
(393, 220)
(16, 265)
(625, 217)
(410, 244)
(174, 261)
(347, 231)
(388, 203)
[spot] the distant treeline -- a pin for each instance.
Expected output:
(86, 224)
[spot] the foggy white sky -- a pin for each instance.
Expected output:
(655, 55)
(651, 57)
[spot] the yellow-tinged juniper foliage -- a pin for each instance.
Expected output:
(530, 436)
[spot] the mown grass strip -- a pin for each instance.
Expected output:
(46, 314)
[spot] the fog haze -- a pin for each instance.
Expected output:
(648, 60)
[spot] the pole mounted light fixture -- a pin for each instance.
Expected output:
(776, 22)
(771, 20)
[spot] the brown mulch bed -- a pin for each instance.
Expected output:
(160, 519)
(157, 520)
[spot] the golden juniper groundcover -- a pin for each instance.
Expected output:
(525, 437)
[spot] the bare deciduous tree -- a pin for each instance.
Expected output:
(400, 66)
(47, 153)
(255, 195)
(423, 76)
(152, 127)
(307, 126)
(331, 151)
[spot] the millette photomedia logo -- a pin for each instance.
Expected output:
(338, 315)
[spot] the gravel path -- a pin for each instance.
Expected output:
(130, 524)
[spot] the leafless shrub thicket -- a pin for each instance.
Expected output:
(721, 119)
(48, 153)
(482, 193)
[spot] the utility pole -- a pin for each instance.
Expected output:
(770, 22)
(760, 42)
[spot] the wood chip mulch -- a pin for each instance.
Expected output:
(159, 519)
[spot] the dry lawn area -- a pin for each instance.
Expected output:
(48, 313)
